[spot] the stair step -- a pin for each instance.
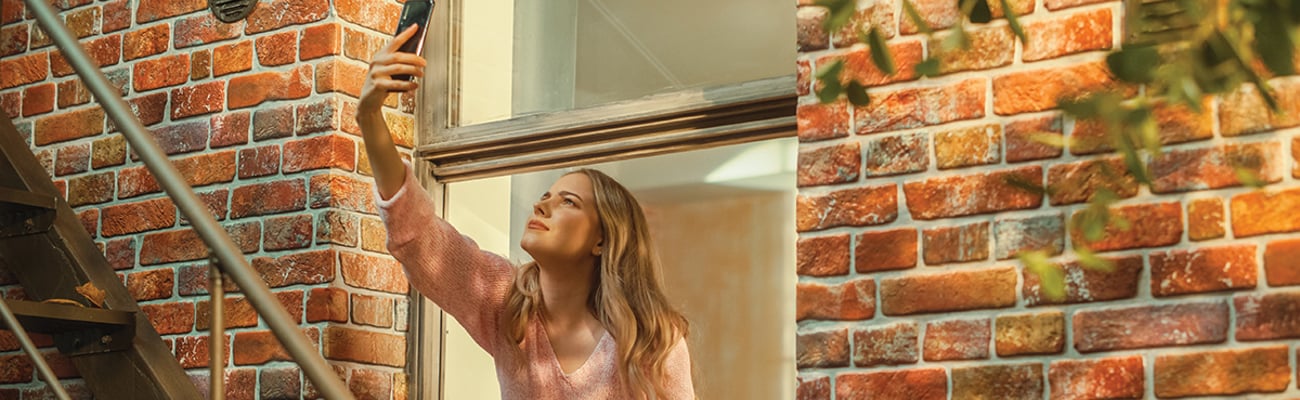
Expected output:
(76, 330)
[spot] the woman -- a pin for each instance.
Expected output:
(585, 320)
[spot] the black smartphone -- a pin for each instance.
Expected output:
(414, 12)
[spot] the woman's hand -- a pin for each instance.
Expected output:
(386, 63)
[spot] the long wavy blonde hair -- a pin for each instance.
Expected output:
(626, 295)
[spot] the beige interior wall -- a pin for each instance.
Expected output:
(479, 209)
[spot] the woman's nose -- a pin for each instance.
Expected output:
(540, 208)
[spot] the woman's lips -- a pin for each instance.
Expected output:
(535, 224)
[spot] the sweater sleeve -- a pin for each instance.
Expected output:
(465, 281)
(679, 384)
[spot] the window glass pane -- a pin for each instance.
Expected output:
(525, 56)
(722, 221)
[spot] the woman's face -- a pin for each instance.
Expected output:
(564, 226)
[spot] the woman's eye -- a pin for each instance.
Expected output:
(569, 202)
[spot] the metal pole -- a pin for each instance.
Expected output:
(255, 290)
(217, 339)
(30, 349)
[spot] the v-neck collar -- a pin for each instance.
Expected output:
(555, 359)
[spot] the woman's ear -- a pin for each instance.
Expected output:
(595, 251)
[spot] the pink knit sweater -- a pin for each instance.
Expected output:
(471, 285)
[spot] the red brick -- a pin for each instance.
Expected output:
(978, 145)
(90, 189)
(251, 90)
(1263, 212)
(1068, 34)
(152, 10)
(949, 291)
(13, 107)
(381, 17)
(370, 381)
(197, 99)
(858, 65)
(361, 45)
(104, 51)
(879, 14)
(813, 388)
(991, 46)
(72, 93)
(120, 253)
(327, 304)
(892, 344)
(1083, 284)
(803, 84)
(261, 347)
(374, 273)
(117, 16)
(340, 76)
(1098, 378)
(13, 40)
(200, 64)
(823, 256)
(1078, 181)
(1268, 316)
(955, 244)
(1179, 124)
(1027, 334)
(330, 151)
(916, 384)
(90, 220)
(275, 14)
(149, 108)
(1039, 90)
(12, 11)
(922, 106)
(18, 71)
(1295, 155)
(1223, 372)
(374, 237)
(62, 367)
(161, 72)
(140, 43)
(1243, 112)
(816, 121)
(1020, 143)
(1015, 381)
(259, 161)
(824, 165)
(1151, 225)
(343, 228)
(1216, 167)
(181, 138)
(38, 99)
(810, 28)
(230, 128)
(1150, 326)
(268, 198)
(372, 310)
(850, 207)
(1282, 262)
(277, 49)
(343, 192)
(280, 383)
(72, 159)
(232, 58)
(215, 202)
(318, 41)
(203, 28)
(320, 116)
(239, 312)
(272, 122)
(852, 300)
(151, 285)
(957, 340)
(170, 318)
(822, 349)
(138, 217)
(897, 154)
(199, 170)
(1206, 269)
(109, 151)
(364, 346)
(69, 125)
(185, 245)
(938, 15)
(955, 196)
(287, 232)
(1014, 235)
(193, 351)
(16, 368)
(1059, 4)
(886, 250)
(1205, 219)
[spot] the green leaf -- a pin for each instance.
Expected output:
(880, 54)
(1089, 260)
(957, 38)
(1028, 186)
(915, 17)
(841, 13)
(857, 94)
(1134, 64)
(979, 12)
(830, 72)
(1248, 177)
(1048, 138)
(1050, 275)
(829, 91)
(1014, 21)
(1274, 45)
(928, 67)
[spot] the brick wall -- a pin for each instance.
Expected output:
(258, 117)
(908, 283)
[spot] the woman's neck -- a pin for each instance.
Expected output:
(565, 294)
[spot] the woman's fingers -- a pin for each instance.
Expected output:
(398, 58)
(393, 85)
(400, 39)
(394, 69)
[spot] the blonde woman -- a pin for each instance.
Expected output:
(586, 320)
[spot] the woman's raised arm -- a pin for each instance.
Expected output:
(384, 159)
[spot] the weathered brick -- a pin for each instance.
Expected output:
(149, 108)
(1179, 124)
(1028, 334)
(16, 368)
(230, 128)
(372, 310)
(341, 76)
(238, 312)
(938, 15)
(138, 217)
(72, 93)
(145, 42)
(1150, 326)
(72, 159)
(320, 116)
(275, 14)
(897, 154)
(329, 151)
(277, 49)
(194, 351)
(120, 253)
(108, 152)
(90, 220)
(1150, 225)
(822, 349)
(287, 232)
(203, 28)
(852, 300)
(38, 99)
(1068, 34)
(1268, 316)
(12, 103)
(813, 387)
(849, 207)
(1206, 269)
(1223, 372)
(1099, 378)
(13, 40)
(18, 71)
(199, 99)
(198, 170)
(280, 382)
(991, 46)
(261, 347)
(922, 106)
(1041, 89)
(69, 125)
(949, 291)
(1205, 218)
(1282, 262)
(153, 10)
(374, 273)
(251, 90)
(824, 165)
(811, 35)
(151, 285)
(1243, 112)
(859, 67)
(103, 51)
(978, 145)
(90, 189)
(185, 245)
(117, 16)
(343, 192)
(892, 344)
(170, 318)
(259, 161)
(1083, 284)
(268, 198)
(232, 58)
(1042, 232)
(956, 244)
(327, 304)
(200, 64)
(364, 346)
(917, 384)
(1015, 381)
(954, 196)
(318, 41)
(365, 380)
(272, 122)
(1021, 145)
(886, 250)
(957, 340)
(818, 256)
(1078, 181)
(161, 72)
(1262, 212)
(374, 236)
(1216, 167)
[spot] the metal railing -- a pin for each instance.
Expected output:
(227, 255)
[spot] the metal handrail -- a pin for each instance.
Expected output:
(212, 234)
(11, 321)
